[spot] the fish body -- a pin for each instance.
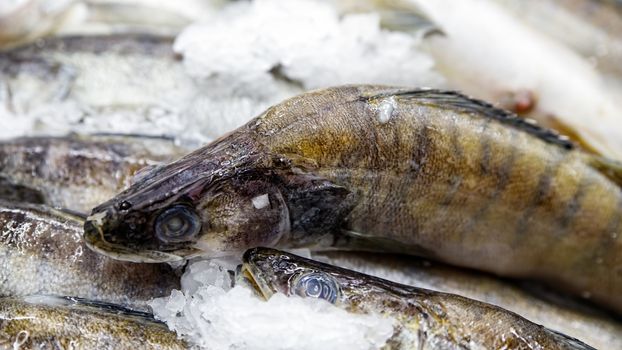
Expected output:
(551, 310)
(76, 172)
(424, 319)
(58, 86)
(423, 172)
(46, 322)
(42, 252)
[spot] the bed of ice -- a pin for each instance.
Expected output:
(212, 314)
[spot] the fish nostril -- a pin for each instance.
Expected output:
(125, 205)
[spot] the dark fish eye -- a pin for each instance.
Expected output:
(125, 205)
(317, 285)
(177, 224)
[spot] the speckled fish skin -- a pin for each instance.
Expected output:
(42, 252)
(44, 322)
(424, 319)
(76, 172)
(546, 308)
(417, 171)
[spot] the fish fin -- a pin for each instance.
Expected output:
(317, 206)
(458, 102)
(612, 169)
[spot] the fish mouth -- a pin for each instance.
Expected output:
(253, 278)
(93, 239)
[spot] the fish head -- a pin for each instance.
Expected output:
(213, 202)
(272, 271)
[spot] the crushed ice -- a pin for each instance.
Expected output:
(210, 313)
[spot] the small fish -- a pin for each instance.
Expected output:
(423, 172)
(549, 309)
(26, 21)
(76, 172)
(57, 85)
(47, 322)
(42, 252)
(423, 319)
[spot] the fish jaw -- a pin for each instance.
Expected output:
(93, 238)
(258, 271)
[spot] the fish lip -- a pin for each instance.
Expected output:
(250, 274)
(92, 239)
(130, 255)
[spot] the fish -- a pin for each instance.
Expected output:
(27, 21)
(423, 172)
(56, 85)
(50, 322)
(551, 310)
(77, 172)
(42, 252)
(423, 319)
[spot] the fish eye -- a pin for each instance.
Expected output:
(177, 224)
(317, 285)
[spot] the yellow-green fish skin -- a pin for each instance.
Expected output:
(418, 171)
(41, 322)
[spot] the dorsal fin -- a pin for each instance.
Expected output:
(461, 103)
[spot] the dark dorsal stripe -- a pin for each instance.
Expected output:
(461, 103)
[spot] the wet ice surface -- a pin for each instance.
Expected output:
(209, 313)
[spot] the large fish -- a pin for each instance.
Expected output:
(423, 172)
(423, 319)
(46, 322)
(76, 172)
(42, 252)
(528, 300)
